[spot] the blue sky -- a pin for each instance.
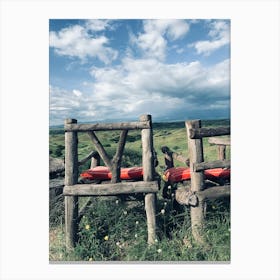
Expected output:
(104, 70)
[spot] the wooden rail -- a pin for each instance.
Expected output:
(111, 189)
(91, 155)
(221, 143)
(198, 133)
(106, 126)
(209, 165)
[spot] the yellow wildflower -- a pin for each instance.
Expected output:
(87, 227)
(106, 237)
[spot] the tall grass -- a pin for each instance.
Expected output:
(116, 231)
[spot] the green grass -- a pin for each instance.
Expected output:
(111, 231)
(115, 230)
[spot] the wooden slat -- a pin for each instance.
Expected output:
(116, 161)
(99, 147)
(209, 165)
(198, 133)
(88, 157)
(219, 141)
(107, 126)
(214, 193)
(111, 189)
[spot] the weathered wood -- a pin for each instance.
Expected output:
(111, 188)
(116, 161)
(168, 159)
(95, 160)
(214, 193)
(100, 149)
(219, 141)
(197, 133)
(88, 157)
(197, 178)
(185, 197)
(107, 126)
(148, 186)
(55, 187)
(209, 165)
(196, 156)
(147, 150)
(150, 208)
(71, 178)
(148, 175)
(56, 167)
(170, 156)
(221, 152)
(221, 145)
(56, 183)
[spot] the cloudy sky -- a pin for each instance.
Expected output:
(104, 70)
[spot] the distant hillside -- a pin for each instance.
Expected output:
(59, 129)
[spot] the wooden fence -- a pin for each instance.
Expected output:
(195, 135)
(73, 190)
(195, 197)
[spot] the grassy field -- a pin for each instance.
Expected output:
(114, 230)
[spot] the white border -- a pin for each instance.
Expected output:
(255, 137)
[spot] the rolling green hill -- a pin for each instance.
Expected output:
(171, 134)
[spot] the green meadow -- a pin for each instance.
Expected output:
(115, 230)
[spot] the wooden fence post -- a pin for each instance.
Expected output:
(221, 152)
(197, 179)
(95, 160)
(148, 175)
(71, 178)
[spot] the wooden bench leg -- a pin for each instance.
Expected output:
(197, 222)
(150, 207)
(71, 221)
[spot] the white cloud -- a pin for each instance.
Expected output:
(153, 41)
(98, 24)
(67, 104)
(76, 41)
(77, 92)
(173, 28)
(146, 86)
(219, 34)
